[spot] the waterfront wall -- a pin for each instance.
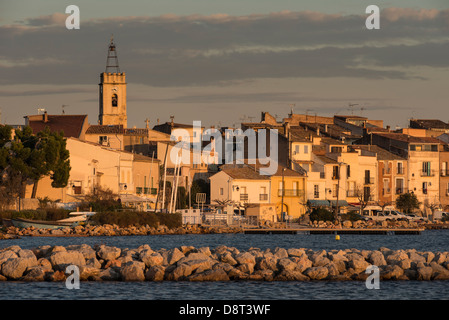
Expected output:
(187, 263)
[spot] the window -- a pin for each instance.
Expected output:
(399, 186)
(306, 149)
(426, 168)
(297, 149)
(295, 188)
(335, 172)
(316, 191)
(400, 168)
(114, 100)
(221, 191)
(336, 149)
(368, 177)
(366, 194)
(103, 140)
(348, 171)
(424, 187)
(335, 190)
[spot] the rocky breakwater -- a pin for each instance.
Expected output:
(187, 263)
(113, 230)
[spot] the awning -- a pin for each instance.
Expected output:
(318, 203)
(341, 203)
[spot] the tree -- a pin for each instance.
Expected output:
(407, 202)
(30, 157)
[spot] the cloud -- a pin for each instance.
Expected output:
(48, 20)
(174, 50)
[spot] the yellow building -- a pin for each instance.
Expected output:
(288, 192)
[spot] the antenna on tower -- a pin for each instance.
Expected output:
(63, 106)
(112, 61)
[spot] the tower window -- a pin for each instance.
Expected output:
(114, 100)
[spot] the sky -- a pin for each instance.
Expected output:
(224, 62)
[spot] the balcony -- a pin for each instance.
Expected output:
(400, 170)
(290, 193)
(243, 197)
(335, 177)
(263, 196)
(140, 190)
(427, 173)
(369, 180)
(351, 193)
(444, 173)
(399, 190)
(386, 171)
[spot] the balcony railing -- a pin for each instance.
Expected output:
(369, 180)
(140, 190)
(427, 173)
(351, 193)
(290, 192)
(444, 173)
(243, 197)
(386, 171)
(335, 177)
(263, 196)
(399, 190)
(400, 170)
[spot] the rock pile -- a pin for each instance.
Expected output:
(115, 230)
(361, 224)
(187, 263)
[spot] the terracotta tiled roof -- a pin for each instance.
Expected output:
(381, 153)
(408, 138)
(428, 124)
(71, 125)
(104, 129)
(243, 172)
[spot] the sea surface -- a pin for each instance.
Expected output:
(429, 240)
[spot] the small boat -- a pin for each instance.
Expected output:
(39, 224)
(78, 217)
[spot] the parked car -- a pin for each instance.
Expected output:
(440, 215)
(416, 218)
(375, 214)
(395, 215)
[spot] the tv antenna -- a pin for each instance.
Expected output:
(350, 105)
(63, 106)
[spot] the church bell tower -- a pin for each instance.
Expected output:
(112, 92)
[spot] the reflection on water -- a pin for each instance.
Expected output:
(232, 290)
(432, 240)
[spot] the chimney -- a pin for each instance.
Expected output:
(286, 128)
(45, 117)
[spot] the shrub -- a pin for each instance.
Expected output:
(129, 218)
(48, 214)
(321, 214)
(351, 215)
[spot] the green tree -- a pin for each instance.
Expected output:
(407, 202)
(31, 157)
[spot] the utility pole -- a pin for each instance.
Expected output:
(282, 196)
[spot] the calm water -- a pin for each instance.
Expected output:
(435, 240)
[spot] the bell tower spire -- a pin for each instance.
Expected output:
(112, 65)
(112, 91)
